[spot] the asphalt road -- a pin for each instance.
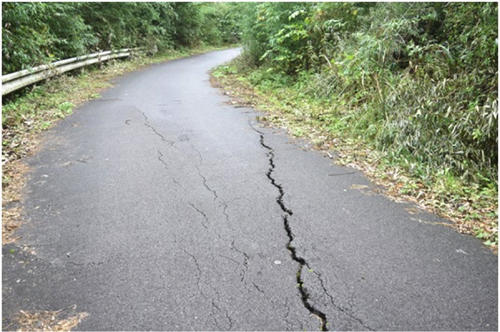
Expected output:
(161, 207)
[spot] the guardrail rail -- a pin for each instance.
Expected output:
(19, 79)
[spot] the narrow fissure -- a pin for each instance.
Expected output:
(204, 224)
(165, 165)
(246, 258)
(205, 183)
(150, 126)
(293, 252)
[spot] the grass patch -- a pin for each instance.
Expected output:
(27, 113)
(472, 205)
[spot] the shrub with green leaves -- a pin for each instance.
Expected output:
(36, 33)
(418, 80)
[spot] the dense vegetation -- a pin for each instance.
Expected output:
(416, 81)
(416, 78)
(35, 33)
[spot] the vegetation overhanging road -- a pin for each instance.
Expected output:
(159, 206)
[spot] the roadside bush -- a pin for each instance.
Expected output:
(417, 80)
(35, 33)
(29, 37)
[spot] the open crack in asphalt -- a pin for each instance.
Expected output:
(148, 124)
(165, 165)
(216, 197)
(286, 224)
(212, 301)
(344, 310)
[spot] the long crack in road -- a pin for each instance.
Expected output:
(188, 215)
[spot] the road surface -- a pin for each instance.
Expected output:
(161, 207)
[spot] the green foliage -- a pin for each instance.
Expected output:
(35, 33)
(220, 22)
(416, 80)
(66, 108)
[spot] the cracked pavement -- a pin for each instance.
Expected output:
(187, 215)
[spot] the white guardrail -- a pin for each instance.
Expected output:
(20, 79)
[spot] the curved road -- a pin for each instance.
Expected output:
(161, 207)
